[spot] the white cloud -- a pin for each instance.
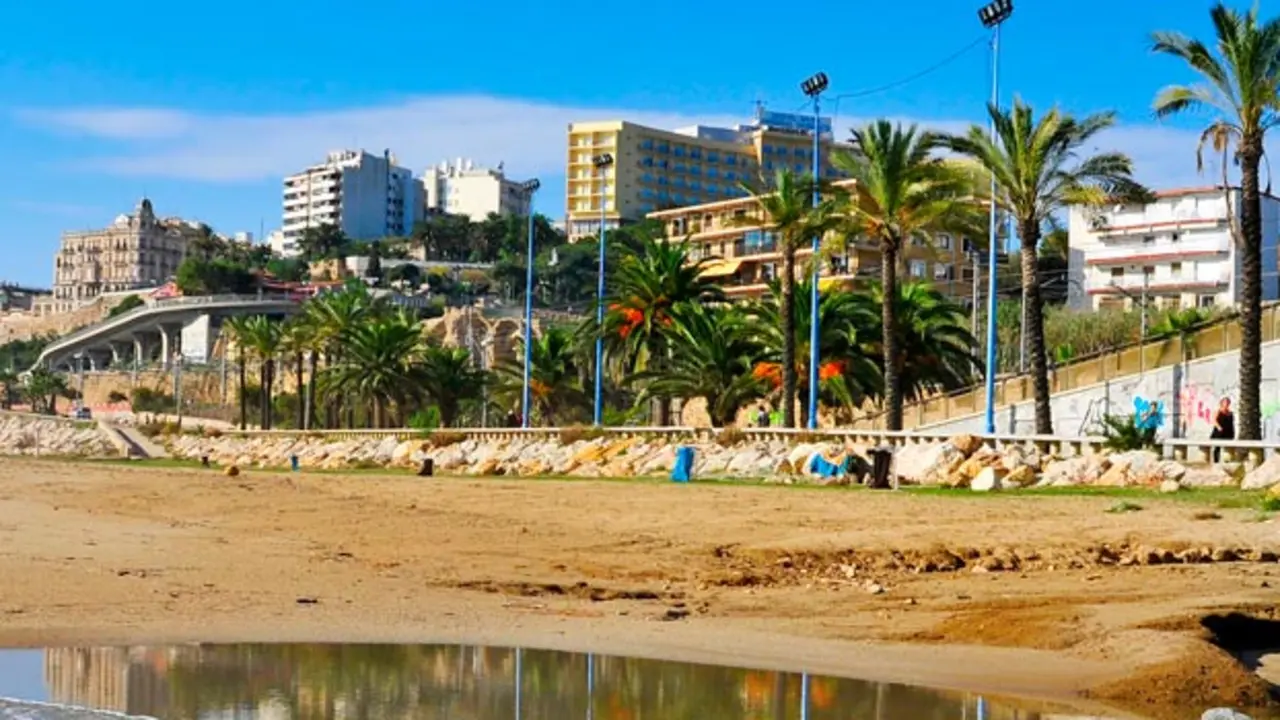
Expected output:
(528, 136)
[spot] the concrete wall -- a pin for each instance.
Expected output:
(1191, 396)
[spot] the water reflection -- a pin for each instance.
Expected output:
(388, 682)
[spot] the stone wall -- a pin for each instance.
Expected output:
(22, 434)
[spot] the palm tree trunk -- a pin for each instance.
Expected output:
(789, 336)
(1029, 231)
(302, 391)
(310, 412)
(1250, 427)
(244, 400)
(889, 319)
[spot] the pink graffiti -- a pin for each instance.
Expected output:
(1198, 404)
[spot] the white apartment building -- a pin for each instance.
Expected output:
(1175, 252)
(462, 188)
(366, 196)
(282, 246)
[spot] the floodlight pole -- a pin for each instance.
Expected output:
(526, 405)
(992, 16)
(602, 163)
(813, 87)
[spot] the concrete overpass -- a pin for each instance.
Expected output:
(159, 330)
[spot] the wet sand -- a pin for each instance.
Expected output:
(840, 582)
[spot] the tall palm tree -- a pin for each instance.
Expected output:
(449, 377)
(236, 329)
(1040, 167)
(9, 380)
(555, 378)
(378, 365)
(935, 350)
(645, 288)
(847, 374)
(788, 210)
(1241, 83)
(902, 192)
(332, 317)
(713, 349)
(262, 335)
(296, 341)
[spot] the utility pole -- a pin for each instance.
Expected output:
(977, 290)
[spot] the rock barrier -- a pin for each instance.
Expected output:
(24, 434)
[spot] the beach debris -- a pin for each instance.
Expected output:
(1224, 714)
(307, 601)
(231, 471)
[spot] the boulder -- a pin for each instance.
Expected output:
(1264, 476)
(1129, 468)
(744, 462)
(592, 452)
(1224, 714)
(921, 463)
(966, 444)
(1170, 486)
(988, 479)
(1021, 476)
(404, 450)
(1074, 471)
(1212, 476)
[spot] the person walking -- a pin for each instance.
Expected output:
(1224, 426)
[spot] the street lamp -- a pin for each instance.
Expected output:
(601, 163)
(993, 15)
(813, 88)
(529, 189)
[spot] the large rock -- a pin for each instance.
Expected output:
(1224, 714)
(966, 444)
(988, 479)
(923, 463)
(1129, 468)
(1264, 476)
(1074, 471)
(1021, 476)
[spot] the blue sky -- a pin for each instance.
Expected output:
(204, 107)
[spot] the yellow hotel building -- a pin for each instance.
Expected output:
(657, 169)
(747, 257)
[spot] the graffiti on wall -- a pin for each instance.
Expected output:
(1148, 414)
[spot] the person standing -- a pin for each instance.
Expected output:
(1224, 426)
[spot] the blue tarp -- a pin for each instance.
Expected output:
(682, 470)
(823, 467)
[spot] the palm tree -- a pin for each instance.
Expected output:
(8, 379)
(448, 377)
(296, 340)
(555, 378)
(847, 373)
(788, 210)
(332, 317)
(645, 288)
(237, 331)
(1241, 82)
(1039, 170)
(262, 335)
(935, 350)
(901, 192)
(43, 389)
(378, 365)
(713, 349)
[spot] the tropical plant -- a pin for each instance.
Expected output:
(847, 373)
(130, 302)
(262, 335)
(43, 388)
(296, 342)
(1122, 433)
(789, 210)
(902, 192)
(378, 365)
(448, 377)
(1241, 82)
(712, 352)
(645, 289)
(934, 348)
(1039, 169)
(237, 331)
(555, 379)
(331, 317)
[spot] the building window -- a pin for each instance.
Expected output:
(1175, 237)
(944, 242)
(1148, 239)
(1206, 301)
(1117, 273)
(713, 157)
(1175, 270)
(919, 268)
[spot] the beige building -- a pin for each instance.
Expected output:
(658, 169)
(746, 256)
(462, 188)
(135, 251)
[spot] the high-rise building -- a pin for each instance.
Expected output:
(366, 196)
(660, 169)
(462, 188)
(745, 257)
(1172, 253)
(135, 251)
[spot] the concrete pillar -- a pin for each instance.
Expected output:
(166, 352)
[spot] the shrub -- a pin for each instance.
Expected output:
(153, 401)
(1123, 434)
(573, 434)
(158, 427)
(425, 419)
(115, 396)
(445, 438)
(728, 437)
(1271, 504)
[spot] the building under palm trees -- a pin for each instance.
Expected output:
(1176, 251)
(747, 256)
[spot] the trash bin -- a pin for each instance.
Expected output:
(204, 461)
(293, 463)
(881, 467)
(428, 468)
(682, 469)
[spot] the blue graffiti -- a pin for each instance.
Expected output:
(1148, 415)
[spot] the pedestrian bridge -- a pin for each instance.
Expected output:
(163, 330)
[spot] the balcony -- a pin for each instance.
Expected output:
(748, 248)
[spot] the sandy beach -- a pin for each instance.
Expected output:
(1026, 596)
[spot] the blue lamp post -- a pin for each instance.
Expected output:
(992, 16)
(526, 405)
(601, 163)
(813, 87)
